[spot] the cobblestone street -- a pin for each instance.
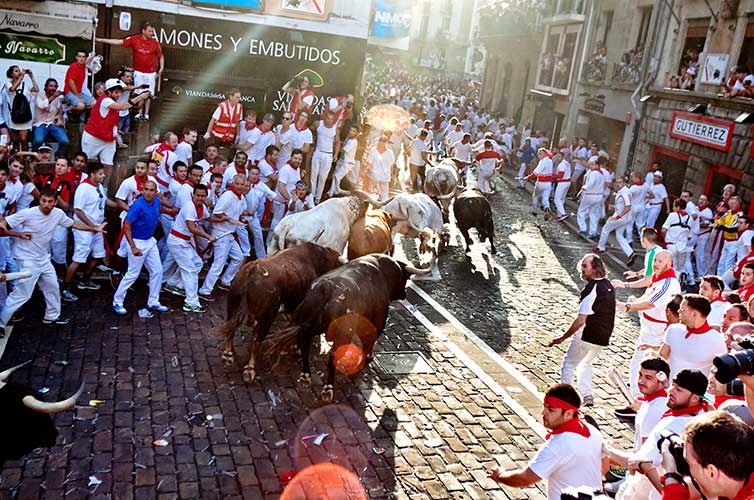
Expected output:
(428, 434)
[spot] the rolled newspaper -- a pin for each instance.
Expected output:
(17, 276)
(617, 381)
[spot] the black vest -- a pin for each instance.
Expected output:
(599, 325)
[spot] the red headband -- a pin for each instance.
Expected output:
(559, 403)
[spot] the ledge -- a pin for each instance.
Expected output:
(735, 103)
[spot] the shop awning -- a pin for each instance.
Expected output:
(73, 20)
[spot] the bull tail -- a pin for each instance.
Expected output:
(279, 341)
(237, 310)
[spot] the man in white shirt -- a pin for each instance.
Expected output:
(453, 136)
(284, 134)
(239, 166)
(301, 201)
(48, 117)
(591, 200)
(711, 287)
(381, 161)
(268, 166)
(693, 343)
(702, 236)
(254, 197)
(31, 250)
(418, 158)
(638, 189)
(543, 174)
(288, 176)
(303, 138)
(620, 218)
(570, 457)
(184, 150)
(676, 231)
(563, 176)
(210, 154)
(323, 154)
(656, 198)
(256, 142)
(662, 285)
(228, 210)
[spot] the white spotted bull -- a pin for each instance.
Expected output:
(441, 183)
(417, 216)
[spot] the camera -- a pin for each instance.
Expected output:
(296, 81)
(675, 449)
(730, 366)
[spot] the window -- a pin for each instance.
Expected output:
(746, 57)
(607, 24)
(696, 37)
(646, 17)
(556, 59)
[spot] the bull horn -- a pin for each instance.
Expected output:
(7, 373)
(446, 196)
(343, 259)
(383, 203)
(34, 404)
(422, 272)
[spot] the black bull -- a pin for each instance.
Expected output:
(472, 209)
(350, 306)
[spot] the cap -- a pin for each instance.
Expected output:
(658, 173)
(268, 116)
(300, 184)
(114, 83)
(692, 380)
(594, 159)
(44, 147)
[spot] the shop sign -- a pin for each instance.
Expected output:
(32, 48)
(710, 132)
(594, 105)
(392, 19)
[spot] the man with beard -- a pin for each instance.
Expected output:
(288, 176)
(210, 154)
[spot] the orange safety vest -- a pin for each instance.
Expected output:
(225, 128)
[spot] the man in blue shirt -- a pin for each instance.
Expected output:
(138, 229)
(526, 155)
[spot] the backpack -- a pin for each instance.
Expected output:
(20, 111)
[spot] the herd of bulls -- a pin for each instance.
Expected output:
(306, 279)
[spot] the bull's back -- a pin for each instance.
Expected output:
(369, 234)
(471, 209)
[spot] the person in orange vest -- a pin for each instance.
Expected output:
(224, 125)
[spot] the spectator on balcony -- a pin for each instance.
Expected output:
(126, 76)
(742, 86)
(76, 92)
(48, 117)
(597, 65)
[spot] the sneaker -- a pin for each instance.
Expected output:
(547, 214)
(68, 296)
(597, 250)
(626, 412)
(593, 237)
(194, 309)
(206, 297)
(173, 290)
(119, 309)
(57, 321)
(158, 308)
(115, 278)
(631, 260)
(145, 118)
(223, 287)
(588, 401)
(534, 214)
(583, 233)
(88, 285)
(17, 317)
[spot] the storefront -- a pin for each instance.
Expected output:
(206, 57)
(699, 152)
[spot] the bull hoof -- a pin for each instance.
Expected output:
(327, 393)
(305, 379)
(249, 374)
(228, 359)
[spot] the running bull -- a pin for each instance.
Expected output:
(25, 422)
(472, 209)
(263, 286)
(441, 183)
(350, 306)
(328, 224)
(417, 216)
(371, 234)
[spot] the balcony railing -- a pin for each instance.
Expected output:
(627, 71)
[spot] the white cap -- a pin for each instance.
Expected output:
(332, 103)
(691, 70)
(114, 82)
(658, 173)
(593, 159)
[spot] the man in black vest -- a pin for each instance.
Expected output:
(592, 327)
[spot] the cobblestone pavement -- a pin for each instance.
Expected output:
(418, 435)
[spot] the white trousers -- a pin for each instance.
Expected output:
(485, 174)
(225, 248)
(727, 257)
(589, 207)
(278, 212)
(168, 263)
(256, 234)
(521, 173)
(342, 169)
(354, 176)
(150, 258)
(578, 362)
(700, 254)
(189, 264)
(638, 215)
(43, 274)
(59, 245)
(384, 188)
(652, 212)
(560, 195)
(243, 240)
(321, 163)
(619, 226)
(680, 254)
(541, 193)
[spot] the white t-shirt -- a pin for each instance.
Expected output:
(652, 320)
(382, 164)
(593, 182)
(230, 205)
(41, 226)
(622, 200)
(719, 306)
(569, 460)
(302, 137)
(204, 164)
(453, 137)
(259, 140)
(508, 140)
(649, 451)
(638, 196)
(418, 146)
(285, 143)
(188, 212)
(706, 217)
(565, 168)
(647, 417)
(289, 176)
(462, 151)
(697, 351)
(544, 168)
(24, 197)
(325, 138)
(265, 170)
(91, 201)
(299, 206)
(257, 193)
(659, 194)
(744, 241)
(349, 151)
(185, 153)
(676, 233)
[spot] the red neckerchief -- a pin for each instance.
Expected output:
(140, 182)
(639, 182)
(682, 213)
(690, 410)
(747, 491)
(176, 179)
(208, 160)
(273, 165)
(720, 298)
(12, 179)
(464, 141)
(300, 129)
(2, 187)
(246, 126)
(651, 397)
(232, 189)
(188, 181)
(670, 273)
(574, 425)
(199, 210)
(88, 180)
(697, 331)
(291, 164)
(702, 207)
(253, 184)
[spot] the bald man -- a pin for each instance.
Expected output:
(738, 330)
(662, 285)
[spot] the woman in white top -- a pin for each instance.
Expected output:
(19, 83)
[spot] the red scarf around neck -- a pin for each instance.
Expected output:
(574, 425)
(719, 298)
(88, 180)
(670, 273)
(651, 397)
(199, 209)
(233, 190)
(689, 410)
(301, 129)
(697, 331)
(140, 181)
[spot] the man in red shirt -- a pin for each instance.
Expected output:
(148, 62)
(75, 89)
(746, 284)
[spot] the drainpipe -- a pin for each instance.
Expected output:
(648, 79)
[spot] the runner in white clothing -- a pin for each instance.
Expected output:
(323, 155)
(638, 189)
(591, 200)
(620, 218)
(563, 176)
(543, 186)
(657, 196)
(255, 197)
(677, 231)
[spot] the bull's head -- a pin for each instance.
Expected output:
(33, 403)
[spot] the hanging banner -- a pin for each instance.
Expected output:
(32, 48)
(56, 22)
(392, 19)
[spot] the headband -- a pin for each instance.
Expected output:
(559, 403)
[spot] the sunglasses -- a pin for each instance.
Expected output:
(286, 118)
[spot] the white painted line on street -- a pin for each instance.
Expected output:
(499, 360)
(514, 405)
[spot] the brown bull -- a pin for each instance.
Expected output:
(262, 286)
(371, 234)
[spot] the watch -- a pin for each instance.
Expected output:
(628, 306)
(674, 476)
